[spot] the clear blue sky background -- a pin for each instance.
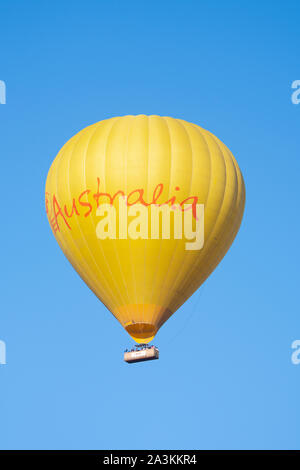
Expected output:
(225, 378)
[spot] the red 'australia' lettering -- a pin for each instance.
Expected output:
(55, 212)
(85, 204)
(73, 209)
(58, 212)
(97, 195)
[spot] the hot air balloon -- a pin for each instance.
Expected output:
(109, 193)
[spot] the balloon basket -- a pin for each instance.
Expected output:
(141, 353)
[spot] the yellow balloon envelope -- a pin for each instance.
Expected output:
(144, 208)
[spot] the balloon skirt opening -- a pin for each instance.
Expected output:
(141, 332)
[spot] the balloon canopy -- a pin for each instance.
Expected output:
(144, 208)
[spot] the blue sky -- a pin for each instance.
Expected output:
(225, 379)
